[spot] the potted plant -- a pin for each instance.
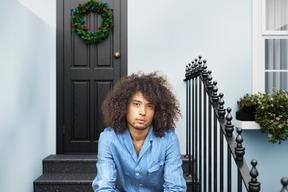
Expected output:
(272, 116)
(247, 107)
(270, 112)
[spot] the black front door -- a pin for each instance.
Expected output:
(85, 74)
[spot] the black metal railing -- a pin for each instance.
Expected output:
(210, 143)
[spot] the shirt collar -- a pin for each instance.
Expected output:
(127, 141)
(150, 134)
(147, 142)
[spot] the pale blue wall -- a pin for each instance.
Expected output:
(166, 35)
(162, 35)
(27, 111)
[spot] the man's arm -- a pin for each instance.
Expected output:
(106, 170)
(173, 172)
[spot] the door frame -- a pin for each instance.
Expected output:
(60, 66)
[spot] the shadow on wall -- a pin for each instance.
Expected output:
(24, 113)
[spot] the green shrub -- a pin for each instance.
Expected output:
(271, 113)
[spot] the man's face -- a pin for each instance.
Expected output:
(140, 112)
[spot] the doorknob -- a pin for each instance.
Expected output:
(116, 54)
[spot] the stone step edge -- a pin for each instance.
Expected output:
(50, 178)
(61, 158)
(74, 179)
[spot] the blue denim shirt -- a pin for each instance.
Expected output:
(157, 168)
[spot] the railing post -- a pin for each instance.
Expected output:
(187, 112)
(200, 106)
(214, 100)
(239, 150)
(254, 185)
(209, 92)
(229, 128)
(193, 125)
(193, 68)
(200, 69)
(204, 73)
(189, 123)
(221, 110)
(209, 83)
(196, 65)
(221, 113)
(214, 95)
(284, 182)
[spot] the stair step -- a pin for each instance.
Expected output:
(185, 164)
(81, 164)
(64, 182)
(65, 178)
(73, 182)
(189, 184)
(70, 164)
(75, 173)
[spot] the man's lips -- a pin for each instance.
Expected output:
(141, 121)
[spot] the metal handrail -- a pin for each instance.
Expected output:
(202, 129)
(206, 123)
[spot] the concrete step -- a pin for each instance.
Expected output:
(70, 164)
(82, 164)
(73, 182)
(75, 173)
(64, 182)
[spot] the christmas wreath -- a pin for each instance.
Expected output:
(78, 23)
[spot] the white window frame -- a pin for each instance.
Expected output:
(259, 35)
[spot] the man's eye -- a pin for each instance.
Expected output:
(136, 104)
(150, 106)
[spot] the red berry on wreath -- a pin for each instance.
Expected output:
(100, 27)
(86, 28)
(103, 9)
(84, 11)
(110, 13)
(111, 26)
(79, 3)
(73, 25)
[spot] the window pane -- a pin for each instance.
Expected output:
(276, 80)
(276, 53)
(277, 15)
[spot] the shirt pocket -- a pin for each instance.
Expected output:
(156, 172)
(156, 166)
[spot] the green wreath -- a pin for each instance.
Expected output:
(78, 22)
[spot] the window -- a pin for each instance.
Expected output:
(270, 45)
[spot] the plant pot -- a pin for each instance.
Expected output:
(244, 116)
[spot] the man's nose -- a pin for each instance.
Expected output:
(142, 111)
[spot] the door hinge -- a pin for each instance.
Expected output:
(64, 130)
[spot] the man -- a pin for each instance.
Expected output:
(140, 151)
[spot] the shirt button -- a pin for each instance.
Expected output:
(140, 185)
(137, 174)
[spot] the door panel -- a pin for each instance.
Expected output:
(86, 73)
